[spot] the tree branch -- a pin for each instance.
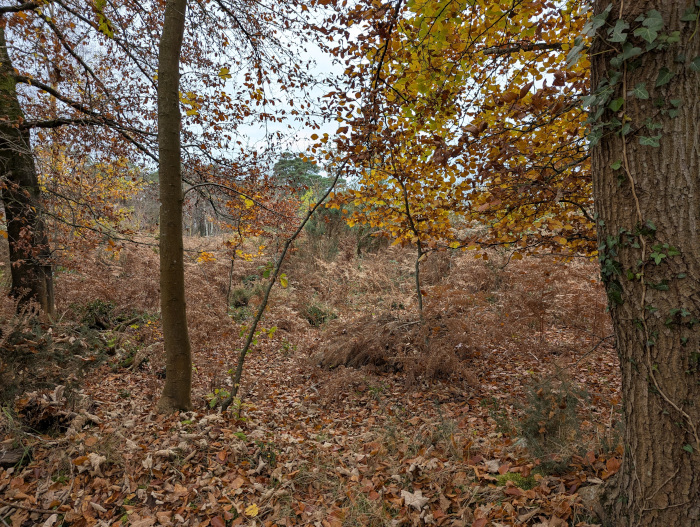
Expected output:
(27, 6)
(507, 49)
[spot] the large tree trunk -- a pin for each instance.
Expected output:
(649, 236)
(178, 372)
(32, 277)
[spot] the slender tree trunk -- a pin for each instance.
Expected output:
(32, 276)
(648, 203)
(178, 376)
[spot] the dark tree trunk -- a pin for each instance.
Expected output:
(32, 277)
(648, 202)
(178, 376)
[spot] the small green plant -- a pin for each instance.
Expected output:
(240, 297)
(241, 314)
(550, 424)
(268, 452)
(217, 396)
(252, 278)
(287, 348)
(517, 479)
(96, 314)
(318, 314)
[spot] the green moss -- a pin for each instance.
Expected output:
(519, 481)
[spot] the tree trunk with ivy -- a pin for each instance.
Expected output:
(30, 256)
(178, 370)
(646, 174)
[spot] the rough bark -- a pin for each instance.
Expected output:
(651, 200)
(32, 276)
(178, 377)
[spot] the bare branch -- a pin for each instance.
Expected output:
(516, 47)
(27, 6)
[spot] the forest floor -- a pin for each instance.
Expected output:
(500, 408)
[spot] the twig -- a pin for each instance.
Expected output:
(30, 509)
(521, 46)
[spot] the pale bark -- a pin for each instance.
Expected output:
(178, 377)
(657, 190)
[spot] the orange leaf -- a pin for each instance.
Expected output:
(217, 521)
(613, 465)
(80, 460)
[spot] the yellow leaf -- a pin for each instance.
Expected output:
(283, 280)
(192, 111)
(517, 256)
(224, 73)
(252, 510)
(248, 203)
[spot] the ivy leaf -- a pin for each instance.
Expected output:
(695, 64)
(617, 33)
(650, 141)
(596, 22)
(617, 104)
(657, 257)
(647, 34)
(690, 15)
(674, 37)
(616, 165)
(640, 91)
(654, 21)
(629, 51)
(665, 76)
(575, 52)
(688, 448)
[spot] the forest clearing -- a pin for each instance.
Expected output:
(443, 434)
(350, 262)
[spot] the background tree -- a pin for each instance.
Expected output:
(178, 377)
(32, 278)
(297, 173)
(475, 81)
(59, 91)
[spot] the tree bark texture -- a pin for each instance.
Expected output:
(648, 205)
(30, 256)
(178, 377)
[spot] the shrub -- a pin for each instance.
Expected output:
(240, 297)
(318, 314)
(550, 423)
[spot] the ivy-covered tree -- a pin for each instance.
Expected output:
(644, 116)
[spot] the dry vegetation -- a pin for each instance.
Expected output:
(495, 410)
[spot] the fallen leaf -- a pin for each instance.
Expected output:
(415, 500)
